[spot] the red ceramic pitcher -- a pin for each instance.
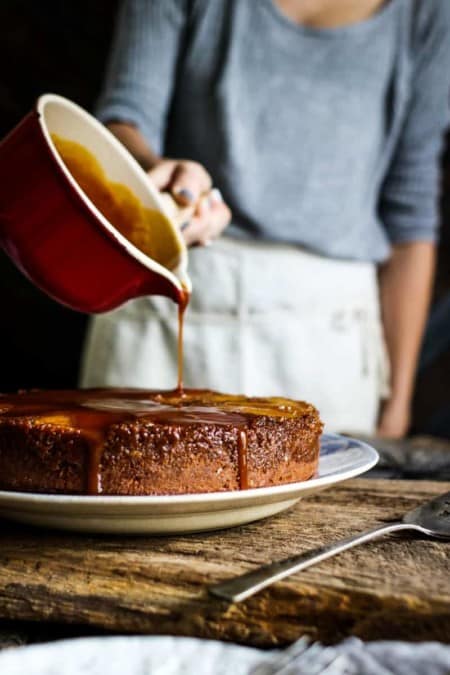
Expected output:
(56, 235)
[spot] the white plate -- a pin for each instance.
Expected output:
(340, 458)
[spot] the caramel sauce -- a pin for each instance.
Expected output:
(96, 443)
(92, 414)
(182, 305)
(242, 459)
(148, 229)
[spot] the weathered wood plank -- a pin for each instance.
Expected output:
(396, 587)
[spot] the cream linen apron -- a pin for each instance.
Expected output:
(264, 320)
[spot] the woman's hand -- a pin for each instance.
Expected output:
(191, 185)
(395, 418)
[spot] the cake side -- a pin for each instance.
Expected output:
(204, 458)
(172, 450)
(38, 457)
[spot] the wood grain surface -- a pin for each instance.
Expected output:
(395, 588)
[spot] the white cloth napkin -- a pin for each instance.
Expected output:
(189, 656)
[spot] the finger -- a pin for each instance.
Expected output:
(162, 174)
(219, 219)
(203, 230)
(195, 231)
(197, 222)
(221, 212)
(189, 182)
(215, 197)
(212, 203)
(203, 206)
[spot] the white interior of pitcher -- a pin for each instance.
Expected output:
(60, 116)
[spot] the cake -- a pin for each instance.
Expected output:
(137, 442)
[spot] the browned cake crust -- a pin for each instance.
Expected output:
(135, 442)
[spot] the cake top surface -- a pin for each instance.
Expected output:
(98, 408)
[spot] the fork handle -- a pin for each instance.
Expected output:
(242, 587)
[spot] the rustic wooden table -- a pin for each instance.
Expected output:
(395, 588)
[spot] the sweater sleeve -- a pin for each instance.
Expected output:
(142, 67)
(410, 194)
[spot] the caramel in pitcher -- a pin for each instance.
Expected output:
(148, 229)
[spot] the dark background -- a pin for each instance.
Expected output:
(61, 47)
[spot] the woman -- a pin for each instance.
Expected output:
(321, 122)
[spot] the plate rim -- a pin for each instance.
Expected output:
(286, 489)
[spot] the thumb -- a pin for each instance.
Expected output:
(189, 181)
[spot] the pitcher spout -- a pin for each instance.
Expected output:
(176, 287)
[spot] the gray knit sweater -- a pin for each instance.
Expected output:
(325, 138)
